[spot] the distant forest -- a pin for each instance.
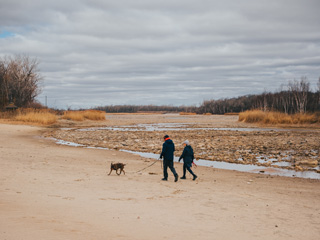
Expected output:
(296, 97)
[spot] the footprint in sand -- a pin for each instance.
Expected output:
(68, 198)
(79, 180)
(177, 192)
(54, 196)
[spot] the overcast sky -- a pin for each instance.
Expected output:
(181, 52)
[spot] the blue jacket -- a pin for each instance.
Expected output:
(167, 150)
(187, 155)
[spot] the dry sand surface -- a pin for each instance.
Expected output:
(50, 191)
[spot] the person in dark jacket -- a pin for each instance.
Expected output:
(167, 154)
(187, 156)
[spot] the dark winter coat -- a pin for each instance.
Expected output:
(187, 155)
(167, 150)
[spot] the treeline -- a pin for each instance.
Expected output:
(145, 108)
(296, 97)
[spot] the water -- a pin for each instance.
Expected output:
(282, 164)
(240, 167)
(174, 127)
(220, 165)
(72, 144)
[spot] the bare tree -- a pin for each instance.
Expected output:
(300, 91)
(19, 80)
(265, 102)
(4, 95)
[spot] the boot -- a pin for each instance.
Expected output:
(176, 177)
(164, 179)
(183, 177)
(194, 177)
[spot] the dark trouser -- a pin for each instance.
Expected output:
(187, 166)
(168, 164)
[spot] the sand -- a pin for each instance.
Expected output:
(50, 191)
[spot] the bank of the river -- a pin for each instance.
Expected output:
(216, 138)
(50, 191)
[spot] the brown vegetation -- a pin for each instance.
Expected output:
(258, 116)
(49, 116)
(82, 115)
(187, 113)
(31, 115)
(44, 117)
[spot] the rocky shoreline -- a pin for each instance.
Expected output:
(290, 149)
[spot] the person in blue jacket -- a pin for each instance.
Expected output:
(167, 154)
(187, 156)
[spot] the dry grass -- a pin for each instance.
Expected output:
(48, 116)
(8, 115)
(252, 116)
(73, 115)
(44, 117)
(187, 113)
(258, 116)
(306, 118)
(95, 115)
(83, 115)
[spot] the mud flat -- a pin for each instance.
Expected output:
(51, 191)
(215, 138)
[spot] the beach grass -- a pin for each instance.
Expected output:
(44, 116)
(83, 115)
(270, 117)
(187, 113)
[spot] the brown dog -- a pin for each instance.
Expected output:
(116, 166)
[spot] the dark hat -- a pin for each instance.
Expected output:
(166, 136)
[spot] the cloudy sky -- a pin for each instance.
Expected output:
(181, 52)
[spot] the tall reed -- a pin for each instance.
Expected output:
(44, 117)
(252, 116)
(82, 115)
(187, 113)
(258, 116)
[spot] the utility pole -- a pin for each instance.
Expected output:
(46, 101)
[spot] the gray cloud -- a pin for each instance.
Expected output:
(162, 52)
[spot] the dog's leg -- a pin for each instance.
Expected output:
(117, 172)
(124, 172)
(110, 169)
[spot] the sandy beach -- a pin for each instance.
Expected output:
(50, 191)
